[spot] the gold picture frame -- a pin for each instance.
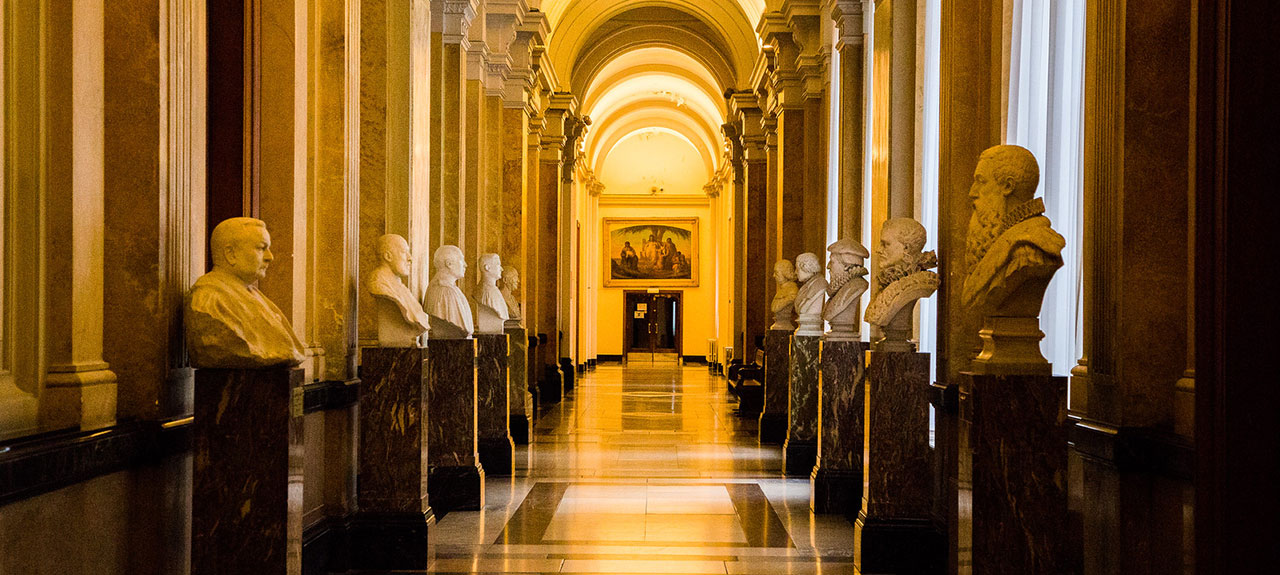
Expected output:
(650, 252)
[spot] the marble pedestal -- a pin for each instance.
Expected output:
(1018, 433)
(836, 483)
(456, 476)
(492, 411)
(550, 381)
(569, 373)
(519, 400)
(777, 373)
(247, 472)
(391, 531)
(894, 531)
(800, 451)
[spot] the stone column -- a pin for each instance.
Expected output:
(753, 220)
(1139, 135)
(969, 122)
(533, 242)
(153, 235)
(549, 212)
(247, 450)
(448, 205)
(79, 387)
(474, 138)
(851, 43)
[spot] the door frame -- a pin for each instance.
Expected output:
(627, 317)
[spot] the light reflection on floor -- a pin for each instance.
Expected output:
(645, 469)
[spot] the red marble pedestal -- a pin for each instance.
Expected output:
(895, 531)
(835, 486)
(456, 476)
(519, 400)
(246, 516)
(800, 451)
(492, 412)
(392, 529)
(777, 374)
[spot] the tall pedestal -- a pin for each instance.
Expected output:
(550, 381)
(531, 366)
(836, 483)
(1018, 435)
(800, 452)
(391, 530)
(247, 472)
(895, 532)
(457, 478)
(777, 374)
(492, 411)
(569, 372)
(519, 400)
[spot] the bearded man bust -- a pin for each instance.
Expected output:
(902, 279)
(811, 295)
(783, 305)
(845, 288)
(1012, 254)
(229, 322)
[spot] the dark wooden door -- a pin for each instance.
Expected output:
(653, 322)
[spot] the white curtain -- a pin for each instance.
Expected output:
(1046, 105)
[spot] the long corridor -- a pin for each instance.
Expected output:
(645, 469)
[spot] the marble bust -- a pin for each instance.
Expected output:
(784, 299)
(401, 320)
(903, 277)
(845, 288)
(491, 307)
(511, 283)
(1012, 254)
(811, 295)
(447, 306)
(228, 322)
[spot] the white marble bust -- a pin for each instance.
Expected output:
(229, 323)
(845, 288)
(509, 284)
(491, 307)
(811, 295)
(783, 307)
(903, 277)
(447, 306)
(1012, 254)
(401, 319)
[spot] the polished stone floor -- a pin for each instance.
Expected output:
(645, 469)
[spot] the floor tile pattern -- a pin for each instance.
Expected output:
(644, 468)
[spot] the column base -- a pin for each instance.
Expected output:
(799, 457)
(569, 371)
(456, 488)
(551, 386)
(835, 490)
(521, 426)
(392, 541)
(897, 545)
(497, 456)
(773, 428)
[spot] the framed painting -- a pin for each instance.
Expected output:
(650, 252)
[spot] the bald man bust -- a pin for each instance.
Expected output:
(447, 306)
(229, 323)
(401, 320)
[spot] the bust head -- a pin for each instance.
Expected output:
(490, 267)
(1006, 177)
(393, 250)
(807, 266)
(511, 278)
(846, 254)
(242, 248)
(901, 241)
(450, 264)
(784, 271)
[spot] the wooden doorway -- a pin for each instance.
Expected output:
(654, 324)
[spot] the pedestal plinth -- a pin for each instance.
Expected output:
(800, 451)
(777, 373)
(519, 400)
(836, 483)
(391, 530)
(247, 472)
(894, 531)
(492, 411)
(568, 372)
(550, 381)
(532, 368)
(1018, 435)
(456, 476)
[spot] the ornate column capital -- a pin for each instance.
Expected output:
(454, 17)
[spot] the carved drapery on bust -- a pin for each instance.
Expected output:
(845, 288)
(811, 295)
(401, 319)
(447, 306)
(510, 283)
(229, 323)
(783, 307)
(902, 279)
(1012, 254)
(491, 307)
